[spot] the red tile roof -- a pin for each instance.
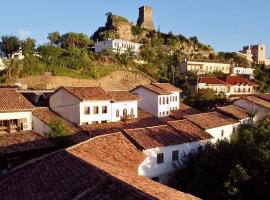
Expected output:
(121, 96)
(101, 168)
(233, 111)
(22, 141)
(235, 80)
(160, 136)
(264, 96)
(258, 101)
(211, 120)
(160, 88)
(167, 87)
(11, 100)
(87, 93)
(211, 80)
(190, 130)
(184, 110)
(97, 93)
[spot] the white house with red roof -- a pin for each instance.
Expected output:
(93, 105)
(230, 85)
(164, 146)
(159, 99)
(15, 112)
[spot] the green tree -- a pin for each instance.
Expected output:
(55, 38)
(28, 46)
(9, 44)
(194, 39)
(59, 133)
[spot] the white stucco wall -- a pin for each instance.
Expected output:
(227, 132)
(151, 169)
(40, 127)
(66, 105)
(205, 67)
(129, 105)
(148, 100)
(19, 115)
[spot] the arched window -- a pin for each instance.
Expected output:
(117, 113)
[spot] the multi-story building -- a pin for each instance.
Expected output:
(159, 99)
(255, 53)
(230, 85)
(204, 67)
(93, 105)
(117, 46)
(244, 71)
(15, 112)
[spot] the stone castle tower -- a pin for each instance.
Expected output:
(145, 19)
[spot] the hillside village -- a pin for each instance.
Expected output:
(118, 115)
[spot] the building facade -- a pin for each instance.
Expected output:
(204, 67)
(117, 46)
(244, 71)
(93, 105)
(159, 99)
(15, 112)
(255, 53)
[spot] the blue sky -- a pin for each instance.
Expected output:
(227, 25)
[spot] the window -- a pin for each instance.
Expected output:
(131, 112)
(87, 110)
(175, 155)
(85, 123)
(176, 98)
(95, 109)
(117, 113)
(104, 121)
(160, 101)
(222, 133)
(160, 158)
(167, 112)
(167, 100)
(159, 113)
(94, 122)
(104, 109)
(163, 113)
(164, 100)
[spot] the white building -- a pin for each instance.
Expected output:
(218, 125)
(230, 85)
(164, 146)
(2, 65)
(159, 99)
(117, 46)
(244, 71)
(93, 105)
(15, 112)
(254, 104)
(18, 55)
(204, 67)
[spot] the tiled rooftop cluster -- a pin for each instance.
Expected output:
(228, 80)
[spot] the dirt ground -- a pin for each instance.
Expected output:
(118, 80)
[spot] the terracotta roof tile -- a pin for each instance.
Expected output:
(88, 93)
(234, 80)
(233, 111)
(211, 80)
(167, 87)
(258, 101)
(11, 100)
(22, 141)
(121, 96)
(184, 110)
(101, 168)
(210, 120)
(154, 89)
(157, 136)
(264, 96)
(190, 130)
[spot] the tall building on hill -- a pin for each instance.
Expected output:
(145, 19)
(256, 53)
